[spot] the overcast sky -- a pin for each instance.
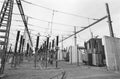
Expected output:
(87, 8)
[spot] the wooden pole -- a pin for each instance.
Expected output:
(109, 21)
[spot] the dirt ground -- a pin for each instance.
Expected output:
(26, 70)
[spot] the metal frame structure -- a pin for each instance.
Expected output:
(5, 23)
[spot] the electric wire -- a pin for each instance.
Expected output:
(39, 26)
(49, 21)
(58, 10)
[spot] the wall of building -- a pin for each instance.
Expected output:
(80, 55)
(60, 55)
(112, 52)
(74, 54)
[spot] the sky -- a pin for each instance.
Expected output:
(95, 9)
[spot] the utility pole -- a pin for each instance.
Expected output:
(91, 33)
(28, 46)
(44, 51)
(109, 21)
(15, 51)
(76, 47)
(52, 52)
(57, 40)
(62, 42)
(52, 44)
(47, 45)
(62, 47)
(20, 46)
(25, 36)
(37, 43)
(112, 35)
(52, 20)
(49, 52)
(36, 50)
(75, 37)
(23, 40)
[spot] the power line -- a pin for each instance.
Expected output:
(49, 21)
(85, 27)
(43, 28)
(58, 10)
(36, 5)
(39, 26)
(54, 11)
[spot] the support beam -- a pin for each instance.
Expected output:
(24, 19)
(86, 27)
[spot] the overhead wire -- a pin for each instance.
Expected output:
(36, 5)
(53, 14)
(39, 26)
(58, 10)
(66, 32)
(49, 21)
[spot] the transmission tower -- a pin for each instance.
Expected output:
(5, 23)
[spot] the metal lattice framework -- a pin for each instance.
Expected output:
(5, 23)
